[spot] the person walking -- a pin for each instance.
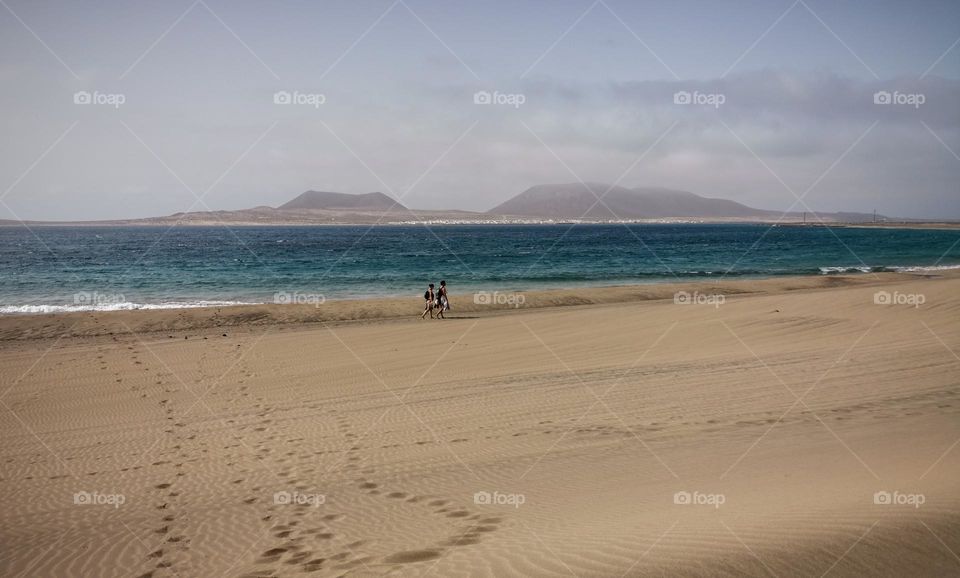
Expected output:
(429, 298)
(443, 304)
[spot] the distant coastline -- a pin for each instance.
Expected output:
(566, 203)
(944, 225)
(919, 224)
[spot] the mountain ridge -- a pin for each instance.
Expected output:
(599, 201)
(545, 202)
(324, 200)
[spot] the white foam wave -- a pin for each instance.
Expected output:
(123, 306)
(923, 269)
(832, 270)
(892, 268)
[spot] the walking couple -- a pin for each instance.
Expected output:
(435, 299)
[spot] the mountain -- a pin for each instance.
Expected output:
(579, 201)
(310, 208)
(320, 200)
(576, 201)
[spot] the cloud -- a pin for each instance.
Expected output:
(766, 127)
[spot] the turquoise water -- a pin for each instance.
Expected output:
(66, 268)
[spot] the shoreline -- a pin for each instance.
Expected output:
(32, 309)
(93, 323)
(922, 225)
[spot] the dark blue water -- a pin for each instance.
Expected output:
(111, 267)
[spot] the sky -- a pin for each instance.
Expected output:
(143, 108)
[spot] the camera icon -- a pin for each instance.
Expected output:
(482, 298)
(482, 97)
(882, 498)
(282, 498)
(681, 298)
(82, 97)
(82, 298)
(682, 97)
(882, 298)
(482, 498)
(882, 97)
(282, 97)
(682, 498)
(282, 298)
(82, 498)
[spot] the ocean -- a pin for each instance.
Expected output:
(105, 268)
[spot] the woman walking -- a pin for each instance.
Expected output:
(429, 298)
(443, 304)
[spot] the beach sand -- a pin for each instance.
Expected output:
(551, 439)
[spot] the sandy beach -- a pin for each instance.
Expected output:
(794, 427)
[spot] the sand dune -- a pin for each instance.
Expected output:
(292, 441)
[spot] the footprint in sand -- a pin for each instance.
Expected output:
(298, 557)
(272, 555)
(411, 556)
(313, 565)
